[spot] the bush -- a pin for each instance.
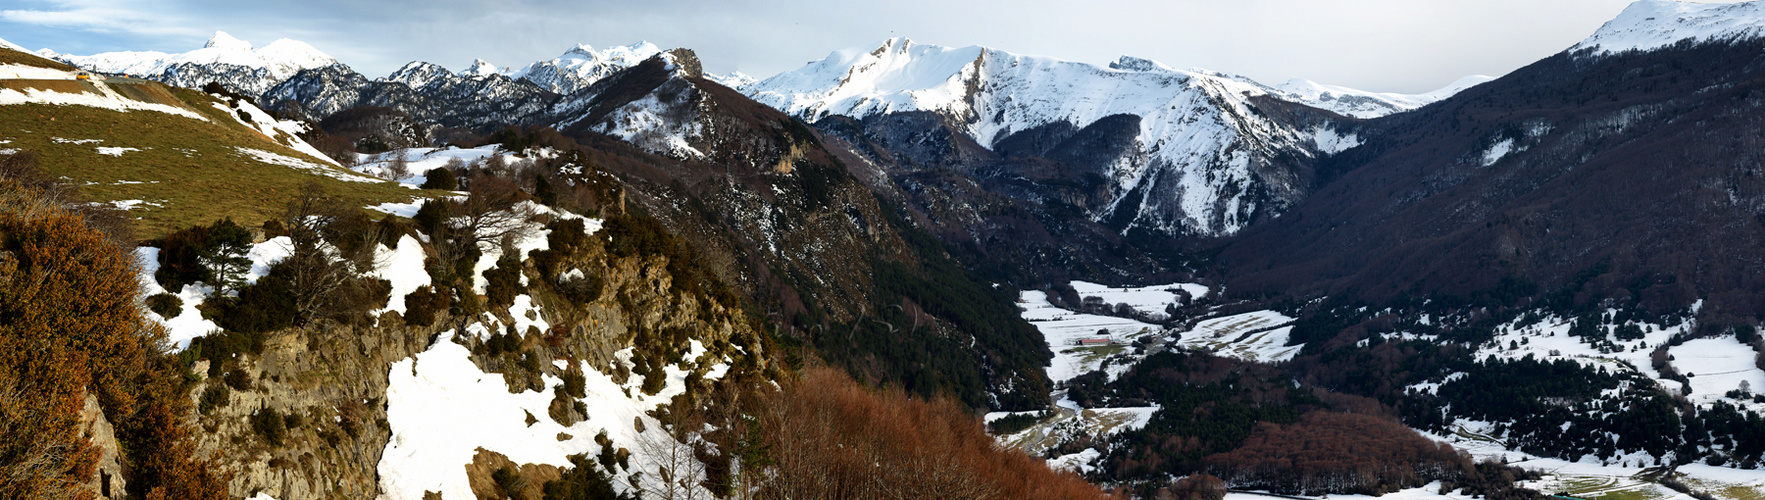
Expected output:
(271, 425)
(71, 326)
(238, 379)
(581, 289)
(267, 305)
(441, 178)
(575, 385)
(504, 281)
(508, 481)
(165, 305)
(422, 304)
(583, 481)
(215, 396)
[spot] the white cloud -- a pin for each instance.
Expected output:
(102, 17)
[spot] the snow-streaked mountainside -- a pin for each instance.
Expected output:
(224, 59)
(1653, 24)
(734, 79)
(582, 65)
(13, 46)
(1363, 104)
(1200, 141)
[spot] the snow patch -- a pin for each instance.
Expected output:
(1497, 151)
(117, 152)
(1253, 336)
(106, 99)
(299, 164)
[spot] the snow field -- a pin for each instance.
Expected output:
(1726, 361)
(1063, 329)
(1146, 299)
(1252, 336)
(1589, 478)
(1716, 366)
(1071, 421)
(1426, 492)
(442, 409)
(267, 125)
(403, 267)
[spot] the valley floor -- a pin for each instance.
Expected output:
(1721, 363)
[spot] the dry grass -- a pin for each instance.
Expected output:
(189, 169)
(9, 56)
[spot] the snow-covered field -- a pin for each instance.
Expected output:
(1618, 479)
(442, 409)
(1716, 366)
(1146, 299)
(1252, 336)
(1428, 492)
(1063, 329)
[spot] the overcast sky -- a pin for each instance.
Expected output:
(1381, 45)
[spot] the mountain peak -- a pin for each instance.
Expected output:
(222, 40)
(582, 49)
(1131, 63)
(479, 68)
(1654, 24)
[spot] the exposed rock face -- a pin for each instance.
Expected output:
(328, 386)
(108, 480)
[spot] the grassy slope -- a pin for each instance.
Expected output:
(9, 56)
(190, 168)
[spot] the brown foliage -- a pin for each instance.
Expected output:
(1334, 452)
(69, 324)
(829, 437)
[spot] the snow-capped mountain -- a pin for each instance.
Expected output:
(582, 65)
(428, 92)
(1363, 104)
(734, 79)
(1203, 156)
(224, 59)
(1653, 24)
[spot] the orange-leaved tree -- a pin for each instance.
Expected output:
(70, 323)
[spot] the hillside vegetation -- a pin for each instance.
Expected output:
(177, 170)
(70, 330)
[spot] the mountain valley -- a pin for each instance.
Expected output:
(903, 270)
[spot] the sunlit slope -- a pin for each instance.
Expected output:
(173, 157)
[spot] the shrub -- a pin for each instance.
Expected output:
(215, 396)
(422, 304)
(270, 425)
(273, 228)
(581, 289)
(238, 379)
(267, 305)
(583, 481)
(431, 216)
(504, 280)
(508, 481)
(166, 305)
(575, 384)
(440, 178)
